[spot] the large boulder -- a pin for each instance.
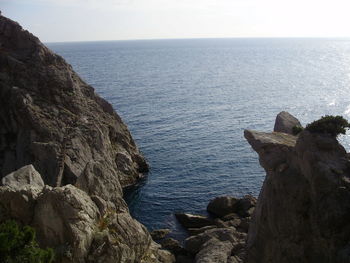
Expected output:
(214, 251)
(222, 205)
(194, 243)
(78, 227)
(285, 122)
(193, 221)
(303, 209)
(225, 205)
(27, 175)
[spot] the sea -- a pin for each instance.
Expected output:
(188, 101)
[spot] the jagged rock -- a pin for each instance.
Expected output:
(222, 205)
(194, 244)
(19, 193)
(285, 122)
(196, 231)
(245, 206)
(52, 119)
(173, 245)
(193, 221)
(23, 176)
(214, 251)
(159, 233)
(303, 209)
(71, 222)
(66, 215)
(225, 205)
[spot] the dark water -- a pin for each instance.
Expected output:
(187, 103)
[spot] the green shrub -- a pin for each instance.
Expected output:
(297, 129)
(332, 125)
(18, 245)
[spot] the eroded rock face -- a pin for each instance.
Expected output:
(52, 119)
(303, 209)
(78, 145)
(78, 227)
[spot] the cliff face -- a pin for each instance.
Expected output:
(78, 145)
(52, 119)
(303, 209)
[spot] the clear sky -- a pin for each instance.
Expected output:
(79, 20)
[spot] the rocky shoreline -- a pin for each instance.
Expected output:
(66, 156)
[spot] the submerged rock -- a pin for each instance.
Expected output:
(303, 210)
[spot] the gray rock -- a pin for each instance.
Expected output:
(222, 206)
(193, 221)
(194, 243)
(160, 233)
(285, 122)
(303, 209)
(23, 176)
(196, 231)
(66, 214)
(52, 119)
(214, 251)
(173, 246)
(245, 206)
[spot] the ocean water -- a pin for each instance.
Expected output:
(187, 103)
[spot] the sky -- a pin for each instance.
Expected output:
(91, 20)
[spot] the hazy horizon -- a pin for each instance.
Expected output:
(114, 20)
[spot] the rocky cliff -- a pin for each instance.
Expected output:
(74, 156)
(52, 119)
(303, 210)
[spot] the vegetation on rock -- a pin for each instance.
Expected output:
(18, 245)
(332, 125)
(297, 129)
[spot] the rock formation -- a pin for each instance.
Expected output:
(220, 239)
(74, 156)
(285, 122)
(52, 119)
(303, 209)
(80, 228)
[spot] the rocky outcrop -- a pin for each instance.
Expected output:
(74, 156)
(303, 209)
(220, 238)
(72, 223)
(52, 119)
(285, 122)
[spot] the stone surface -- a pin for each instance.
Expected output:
(193, 221)
(52, 119)
(194, 244)
(303, 209)
(222, 205)
(214, 251)
(285, 122)
(23, 176)
(160, 233)
(173, 245)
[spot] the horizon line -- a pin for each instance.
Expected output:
(195, 38)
